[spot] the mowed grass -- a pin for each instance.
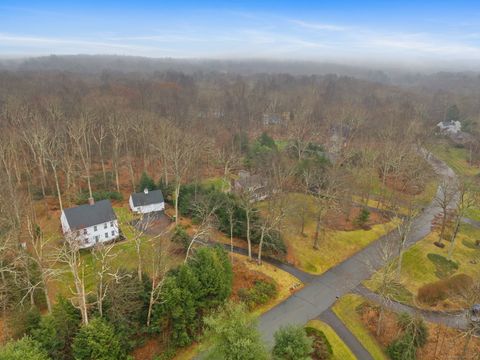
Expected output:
(340, 350)
(456, 158)
(419, 268)
(346, 309)
(334, 247)
(218, 183)
(124, 255)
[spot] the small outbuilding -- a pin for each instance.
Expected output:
(90, 224)
(147, 202)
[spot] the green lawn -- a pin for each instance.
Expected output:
(335, 247)
(340, 350)
(346, 309)
(424, 262)
(125, 256)
(218, 183)
(456, 158)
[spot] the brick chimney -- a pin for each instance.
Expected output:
(91, 201)
(145, 190)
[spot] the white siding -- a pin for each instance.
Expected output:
(146, 209)
(92, 235)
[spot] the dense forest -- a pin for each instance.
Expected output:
(74, 128)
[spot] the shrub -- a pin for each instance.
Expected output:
(322, 350)
(291, 343)
(362, 218)
(261, 292)
(415, 328)
(440, 290)
(402, 349)
(180, 236)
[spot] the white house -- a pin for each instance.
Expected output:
(90, 224)
(450, 127)
(147, 202)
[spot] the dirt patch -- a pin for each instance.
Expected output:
(340, 221)
(443, 342)
(149, 350)
(404, 185)
(244, 278)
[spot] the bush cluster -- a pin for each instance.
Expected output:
(322, 349)
(440, 290)
(261, 293)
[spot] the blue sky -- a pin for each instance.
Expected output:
(393, 31)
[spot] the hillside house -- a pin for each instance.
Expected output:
(450, 127)
(147, 202)
(90, 224)
(254, 184)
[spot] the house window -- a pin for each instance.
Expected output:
(113, 232)
(106, 235)
(111, 223)
(85, 232)
(95, 228)
(97, 238)
(105, 225)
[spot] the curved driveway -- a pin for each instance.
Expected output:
(320, 292)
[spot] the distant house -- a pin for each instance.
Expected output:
(450, 127)
(90, 224)
(254, 184)
(147, 202)
(272, 119)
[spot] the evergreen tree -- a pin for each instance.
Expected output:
(146, 182)
(97, 341)
(292, 343)
(23, 349)
(234, 335)
(56, 331)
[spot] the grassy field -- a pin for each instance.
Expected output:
(218, 183)
(345, 309)
(419, 267)
(456, 158)
(335, 247)
(340, 350)
(125, 256)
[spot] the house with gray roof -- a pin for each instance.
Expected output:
(147, 202)
(254, 184)
(90, 224)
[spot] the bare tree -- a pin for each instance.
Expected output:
(80, 132)
(103, 256)
(444, 199)
(69, 254)
(158, 269)
(466, 198)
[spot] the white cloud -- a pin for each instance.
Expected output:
(319, 26)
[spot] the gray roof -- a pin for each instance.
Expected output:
(87, 215)
(144, 199)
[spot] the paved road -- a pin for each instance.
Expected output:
(471, 222)
(321, 291)
(348, 338)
